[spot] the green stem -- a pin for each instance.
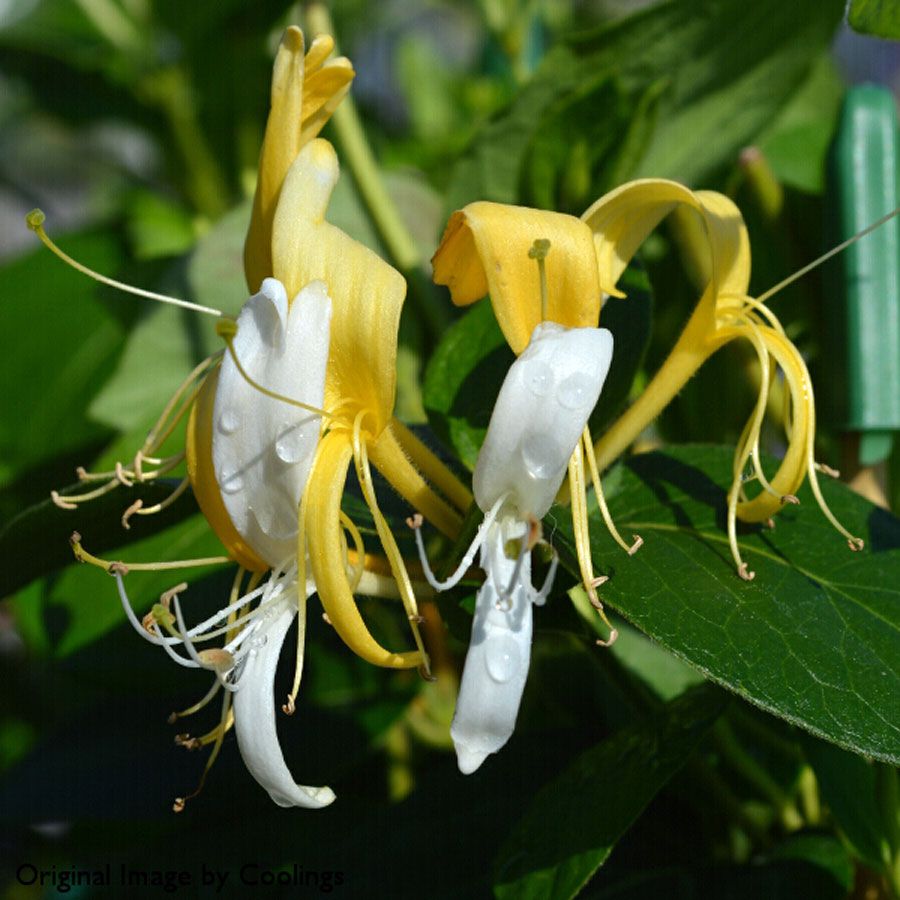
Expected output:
(169, 89)
(887, 790)
(755, 775)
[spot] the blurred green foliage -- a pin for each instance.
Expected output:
(136, 125)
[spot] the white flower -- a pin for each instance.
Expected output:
(540, 415)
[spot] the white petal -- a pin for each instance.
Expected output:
(254, 720)
(544, 404)
(499, 653)
(263, 448)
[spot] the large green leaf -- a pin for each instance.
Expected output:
(574, 822)
(815, 638)
(718, 72)
(878, 17)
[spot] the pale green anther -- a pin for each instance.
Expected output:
(35, 219)
(512, 549)
(226, 327)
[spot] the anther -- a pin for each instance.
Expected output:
(638, 543)
(166, 596)
(62, 503)
(770, 524)
(226, 327)
(425, 671)
(415, 521)
(613, 636)
(745, 573)
(121, 476)
(827, 470)
(117, 568)
(326, 620)
(856, 544)
(290, 707)
(417, 619)
(178, 805)
(35, 219)
(539, 249)
(126, 516)
(791, 499)
(173, 718)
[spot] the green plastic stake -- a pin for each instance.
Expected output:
(864, 306)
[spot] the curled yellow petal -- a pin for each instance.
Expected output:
(485, 250)
(198, 456)
(620, 222)
(367, 293)
(326, 554)
(622, 219)
(305, 92)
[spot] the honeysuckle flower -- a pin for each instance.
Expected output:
(482, 252)
(491, 248)
(539, 418)
(620, 221)
(307, 384)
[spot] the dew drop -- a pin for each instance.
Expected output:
(575, 391)
(229, 421)
(289, 446)
(540, 455)
(539, 379)
(502, 658)
(232, 483)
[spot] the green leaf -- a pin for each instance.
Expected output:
(162, 349)
(712, 75)
(463, 378)
(815, 638)
(878, 17)
(56, 367)
(574, 822)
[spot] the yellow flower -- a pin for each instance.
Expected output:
(307, 385)
(485, 250)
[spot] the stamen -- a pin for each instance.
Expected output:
(175, 716)
(826, 256)
(225, 723)
(415, 522)
(539, 250)
(637, 540)
(35, 221)
(581, 531)
(82, 555)
(388, 542)
(289, 707)
(71, 501)
(138, 506)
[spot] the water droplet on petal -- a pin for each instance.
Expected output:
(502, 657)
(229, 421)
(289, 446)
(539, 379)
(541, 456)
(575, 391)
(232, 483)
